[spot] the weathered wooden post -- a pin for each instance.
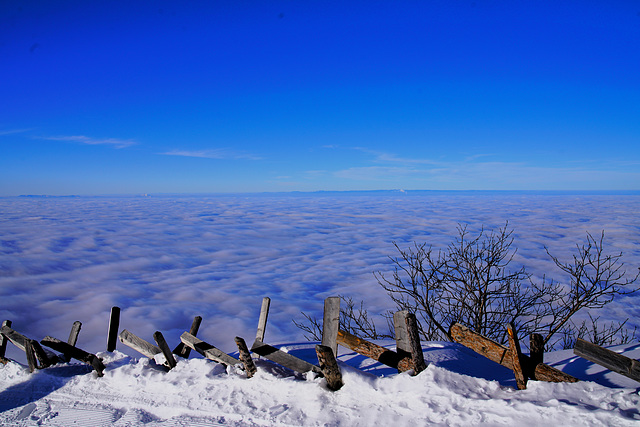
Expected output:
(329, 367)
(536, 349)
(408, 344)
(3, 343)
(331, 323)
(182, 350)
(262, 321)
(73, 335)
(138, 344)
(245, 357)
(403, 347)
(162, 344)
(45, 358)
(516, 357)
(114, 324)
(31, 355)
(72, 351)
(417, 356)
(73, 339)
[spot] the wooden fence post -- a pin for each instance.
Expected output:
(72, 351)
(536, 349)
(331, 323)
(516, 357)
(162, 344)
(403, 347)
(262, 322)
(114, 324)
(245, 357)
(73, 335)
(417, 356)
(182, 350)
(3, 343)
(31, 355)
(45, 358)
(329, 367)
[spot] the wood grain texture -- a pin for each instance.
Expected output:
(609, 359)
(207, 350)
(499, 354)
(75, 352)
(374, 351)
(285, 359)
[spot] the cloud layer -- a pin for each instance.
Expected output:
(164, 260)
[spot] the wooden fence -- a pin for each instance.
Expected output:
(408, 355)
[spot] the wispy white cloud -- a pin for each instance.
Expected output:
(116, 142)
(12, 131)
(218, 153)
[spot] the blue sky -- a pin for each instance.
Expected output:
(243, 96)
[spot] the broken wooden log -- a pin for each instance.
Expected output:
(245, 357)
(331, 323)
(611, 360)
(114, 324)
(499, 354)
(516, 357)
(329, 367)
(162, 345)
(374, 351)
(182, 350)
(138, 344)
(46, 359)
(74, 352)
(207, 350)
(285, 359)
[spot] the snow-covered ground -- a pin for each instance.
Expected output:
(458, 388)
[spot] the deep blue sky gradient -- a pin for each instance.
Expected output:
(233, 96)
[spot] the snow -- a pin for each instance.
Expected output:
(459, 387)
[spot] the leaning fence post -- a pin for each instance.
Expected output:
(516, 359)
(3, 341)
(331, 323)
(73, 335)
(414, 342)
(182, 350)
(245, 357)
(162, 344)
(329, 367)
(31, 355)
(114, 324)
(262, 322)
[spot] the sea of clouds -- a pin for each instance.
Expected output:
(166, 259)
